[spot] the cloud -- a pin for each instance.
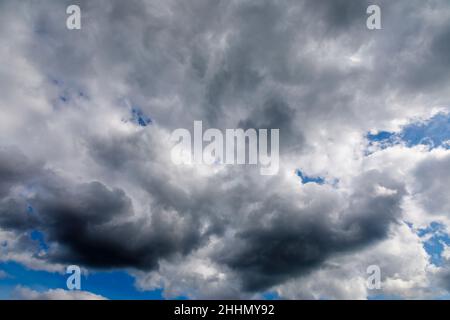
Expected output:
(432, 177)
(93, 225)
(403, 264)
(105, 195)
(23, 293)
(284, 241)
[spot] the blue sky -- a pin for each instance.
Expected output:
(434, 132)
(307, 179)
(437, 238)
(112, 284)
(109, 284)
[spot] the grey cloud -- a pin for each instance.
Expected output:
(93, 225)
(281, 241)
(432, 177)
(14, 167)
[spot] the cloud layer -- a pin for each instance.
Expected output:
(86, 118)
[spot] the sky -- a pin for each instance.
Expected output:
(87, 179)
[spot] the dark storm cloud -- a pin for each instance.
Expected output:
(89, 223)
(294, 241)
(95, 228)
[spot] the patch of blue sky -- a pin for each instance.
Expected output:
(381, 136)
(39, 237)
(433, 133)
(270, 295)
(109, 284)
(309, 179)
(18, 275)
(139, 117)
(117, 285)
(435, 241)
(383, 139)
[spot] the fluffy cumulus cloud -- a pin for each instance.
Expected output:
(85, 155)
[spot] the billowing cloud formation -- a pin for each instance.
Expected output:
(86, 117)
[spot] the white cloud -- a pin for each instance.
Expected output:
(24, 293)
